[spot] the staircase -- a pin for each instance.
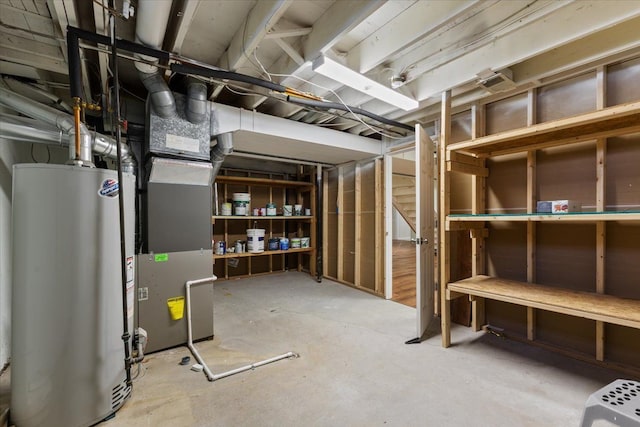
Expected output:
(404, 198)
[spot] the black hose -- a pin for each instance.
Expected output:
(228, 75)
(123, 245)
(323, 105)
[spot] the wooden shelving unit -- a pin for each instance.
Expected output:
(230, 228)
(470, 156)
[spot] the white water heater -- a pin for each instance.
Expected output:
(67, 360)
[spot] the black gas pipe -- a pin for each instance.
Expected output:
(73, 50)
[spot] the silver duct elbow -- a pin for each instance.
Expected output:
(162, 100)
(223, 148)
(196, 101)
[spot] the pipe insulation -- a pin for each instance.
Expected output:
(34, 130)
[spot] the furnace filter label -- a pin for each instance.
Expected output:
(109, 188)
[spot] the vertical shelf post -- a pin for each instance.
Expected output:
(445, 193)
(532, 198)
(601, 205)
(478, 205)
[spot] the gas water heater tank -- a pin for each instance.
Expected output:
(67, 360)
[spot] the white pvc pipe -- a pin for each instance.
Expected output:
(210, 375)
(195, 353)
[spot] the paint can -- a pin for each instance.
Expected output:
(274, 244)
(255, 240)
(225, 209)
(305, 242)
(284, 244)
(297, 210)
(241, 203)
(271, 209)
(221, 248)
(287, 210)
(295, 243)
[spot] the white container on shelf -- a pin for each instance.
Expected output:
(255, 240)
(287, 210)
(241, 203)
(305, 242)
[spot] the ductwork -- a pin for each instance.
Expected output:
(223, 148)
(151, 25)
(33, 131)
(196, 101)
(39, 91)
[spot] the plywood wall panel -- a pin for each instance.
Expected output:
(368, 187)
(566, 256)
(622, 345)
(623, 173)
(506, 114)
(461, 126)
(507, 250)
(568, 173)
(367, 246)
(567, 98)
(507, 184)
(622, 262)
(460, 201)
(566, 331)
(622, 82)
(347, 258)
(510, 317)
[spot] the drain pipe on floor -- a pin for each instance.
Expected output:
(210, 375)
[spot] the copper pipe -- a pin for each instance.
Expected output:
(76, 117)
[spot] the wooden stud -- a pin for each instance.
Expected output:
(340, 203)
(445, 197)
(358, 226)
(532, 198)
(601, 206)
(478, 206)
(379, 231)
(325, 223)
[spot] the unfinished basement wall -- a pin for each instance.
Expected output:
(353, 209)
(568, 255)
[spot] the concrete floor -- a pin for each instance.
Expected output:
(354, 368)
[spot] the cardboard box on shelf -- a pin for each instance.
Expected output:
(543, 206)
(564, 206)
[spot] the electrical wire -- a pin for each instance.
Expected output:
(48, 155)
(359, 119)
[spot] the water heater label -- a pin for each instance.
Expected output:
(109, 188)
(129, 269)
(182, 143)
(130, 300)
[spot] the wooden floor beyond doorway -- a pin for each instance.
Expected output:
(404, 272)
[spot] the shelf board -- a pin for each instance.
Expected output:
(566, 217)
(261, 181)
(614, 121)
(605, 308)
(252, 254)
(260, 217)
